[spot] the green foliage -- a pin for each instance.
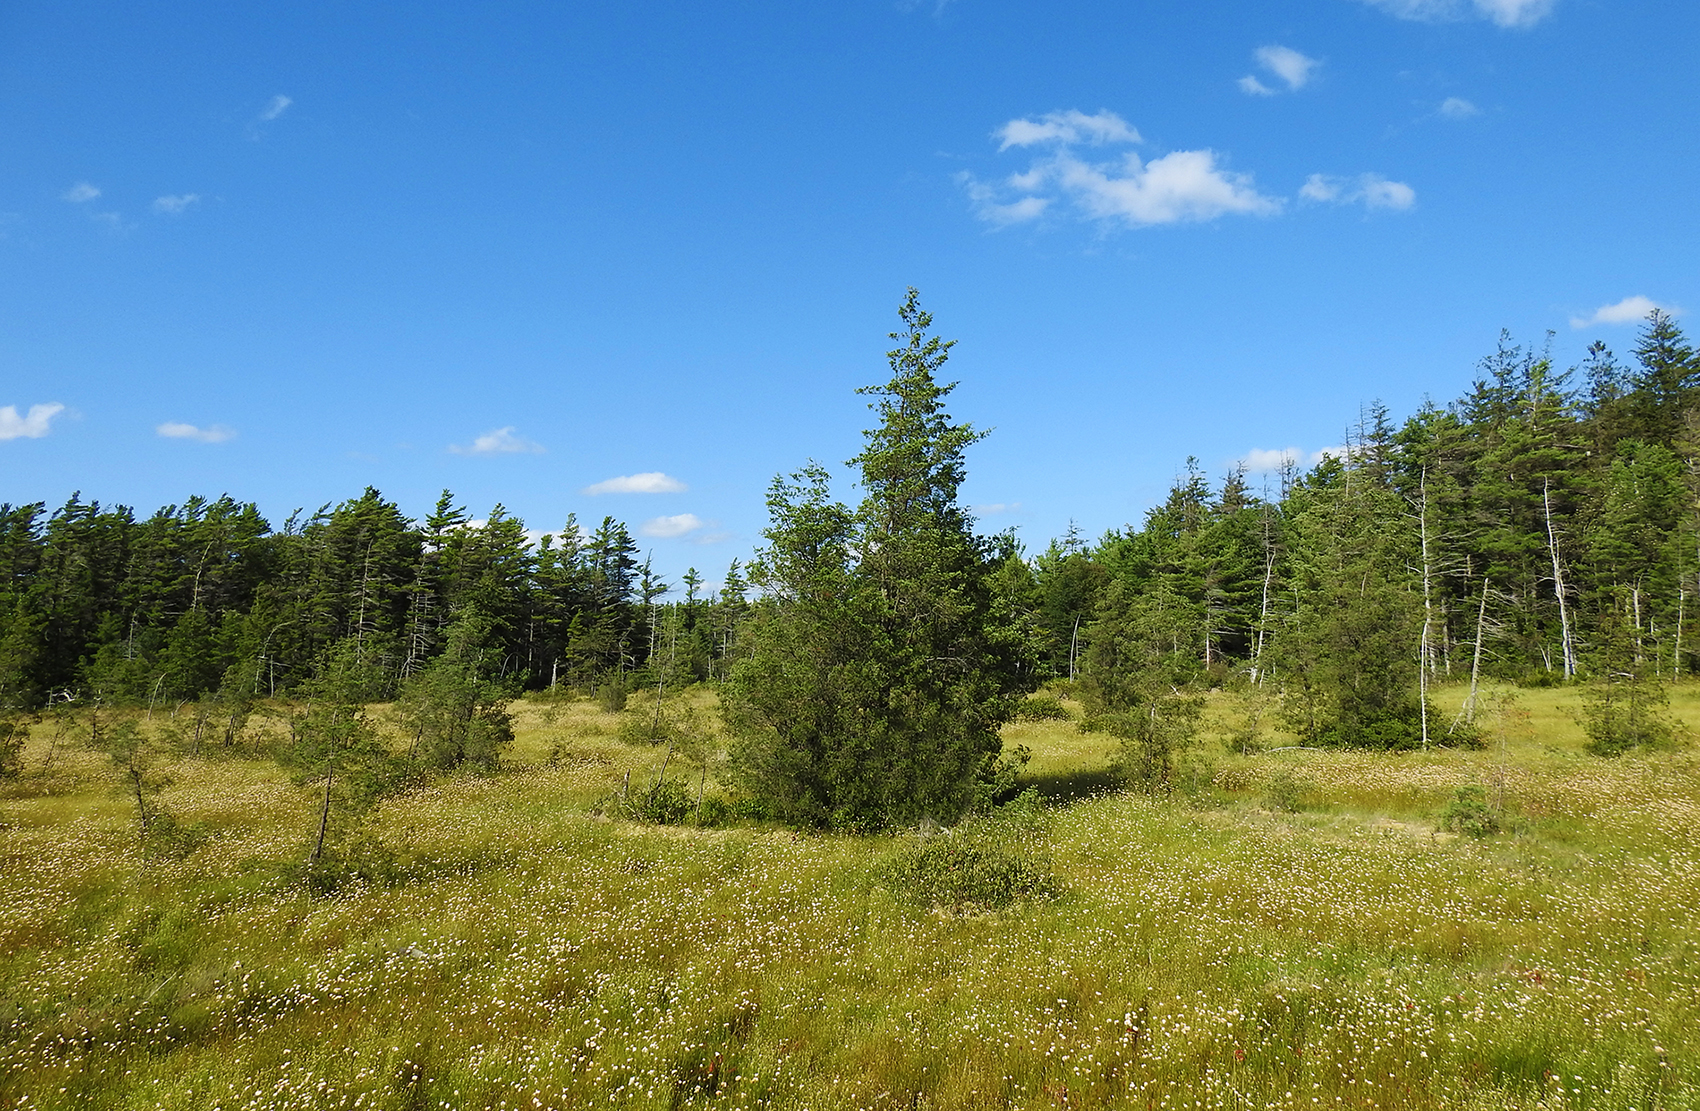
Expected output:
(457, 716)
(1285, 792)
(668, 803)
(876, 669)
(1468, 813)
(612, 692)
(1040, 707)
(986, 863)
(1623, 707)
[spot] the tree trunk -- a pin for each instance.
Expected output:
(1558, 582)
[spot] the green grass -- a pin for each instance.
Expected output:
(1209, 951)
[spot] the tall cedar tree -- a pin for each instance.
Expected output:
(878, 668)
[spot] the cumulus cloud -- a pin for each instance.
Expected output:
(1369, 190)
(1457, 108)
(499, 441)
(650, 482)
(667, 527)
(80, 193)
(275, 107)
(1630, 310)
(172, 206)
(1183, 185)
(1503, 13)
(32, 426)
(1284, 63)
(213, 434)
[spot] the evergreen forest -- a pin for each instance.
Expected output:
(1541, 528)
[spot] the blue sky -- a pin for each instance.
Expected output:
(624, 259)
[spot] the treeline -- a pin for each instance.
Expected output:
(206, 599)
(1543, 527)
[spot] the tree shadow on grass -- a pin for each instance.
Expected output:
(1061, 787)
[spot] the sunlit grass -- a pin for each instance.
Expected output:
(1213, 950)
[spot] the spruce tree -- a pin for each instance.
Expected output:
(879, 669)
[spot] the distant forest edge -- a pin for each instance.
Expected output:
(1544, 526)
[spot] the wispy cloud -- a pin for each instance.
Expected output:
(499, 441)
(650, 482)
(1274, 459)
(668, 527)
(997, 507)
(212, 434)
(32, 426)
(173, 206)
(1369, 190)
(80, 193)
(1457, 108)
(275, 107)
(1504, 13)
(1071, 127)
(1285, 64)
(1630, 310)
(1184, 185)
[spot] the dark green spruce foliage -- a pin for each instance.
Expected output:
(875, 670)
(454, 712)
(1624, 706)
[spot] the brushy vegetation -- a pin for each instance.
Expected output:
(1214, 949)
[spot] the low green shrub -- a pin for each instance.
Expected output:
(1469, 813)
(986, 863)
(1040, 707)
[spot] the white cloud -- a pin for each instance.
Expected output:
(175, 205)
(1180, 186)
(1270, 459)
(1370, 190)
(1067, 128)
(30, 427)
(214, 434)
(499, 441)
(1292, 68)
(1504, 13)
(650, 482)
(1630, 310)
(998, 507)
(666, 527)
(276, 107)
(1457, 108)
(80, 193)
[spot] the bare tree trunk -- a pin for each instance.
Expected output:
(1476, 662)
(1558, 582)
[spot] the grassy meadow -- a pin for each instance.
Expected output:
(1293, 929)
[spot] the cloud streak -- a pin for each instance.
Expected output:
(649, 482)
(32, 426)
(1125, 190)
(80, 193)
(174, 206)
(1502, 13)
(1369, 190)
(212, 434)
(275, 107)
(498, 441)
(1630, 310)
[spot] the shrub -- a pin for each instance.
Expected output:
(12, 737)
(611, 694)
(668, 803)
(1040, 707)
(1285, 793)
(1469, 813)
(983, 864)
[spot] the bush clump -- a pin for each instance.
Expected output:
(1469, 813)
(1040, 707)
(986, 863)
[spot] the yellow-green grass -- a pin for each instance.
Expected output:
(1214, 950)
